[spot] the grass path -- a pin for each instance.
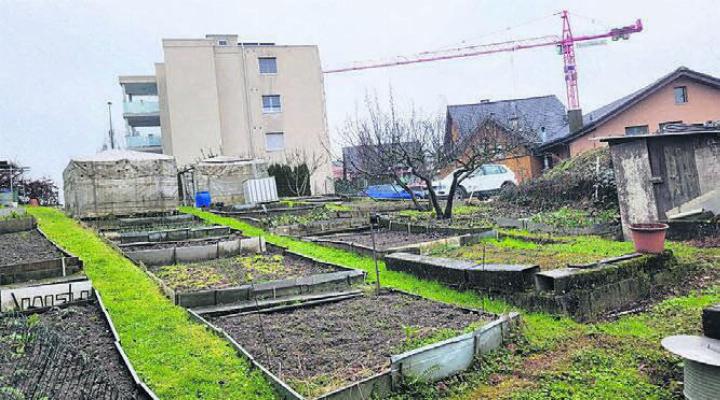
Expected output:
(176, 357)
(556, 358)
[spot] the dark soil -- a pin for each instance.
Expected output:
(184, 243)
(706, 242)
(322, 347)
(66, 353)
(27, 246)
(240, 270)
(385, 239)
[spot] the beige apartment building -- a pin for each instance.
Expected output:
(215, 96)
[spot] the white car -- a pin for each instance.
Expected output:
(486, 180)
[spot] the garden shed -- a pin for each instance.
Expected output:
(224, 176)
(659, 174)
(120, 182)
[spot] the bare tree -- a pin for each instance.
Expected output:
(389, 145)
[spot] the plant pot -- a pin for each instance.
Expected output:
(34, 202)
(649, 237)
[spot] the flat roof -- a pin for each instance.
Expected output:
(623, 138)
(137, 79)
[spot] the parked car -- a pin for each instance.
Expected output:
(391, 192)
(484, 181)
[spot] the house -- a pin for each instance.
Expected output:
(215, 96)
(541, 119)
(662, 177)
(682, 96)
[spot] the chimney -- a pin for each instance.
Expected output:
(575, 120)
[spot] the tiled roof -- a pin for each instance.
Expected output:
(533, 113)
(599, 116)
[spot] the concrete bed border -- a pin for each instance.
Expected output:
(22, 223)
(60, 267)
(183, 254)
(150, 236)
(430, 363)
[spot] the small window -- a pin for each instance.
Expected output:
(268, 65)
(271, 103)
(681, 96)
(222, 42)
(664, 125)
(636, 130)
(491, 169)
(274, 141)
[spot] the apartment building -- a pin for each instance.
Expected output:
(216, 96)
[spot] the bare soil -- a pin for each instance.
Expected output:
(239, 270)
(66, 353)
(24, 247)
(319, 348)
(385, 239)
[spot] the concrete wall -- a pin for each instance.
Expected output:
(635, 192)
(192, 100)
(703, 105)
(211, 101)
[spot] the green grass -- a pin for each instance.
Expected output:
(177, 358)
(608, 360)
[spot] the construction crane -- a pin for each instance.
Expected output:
(565, 44)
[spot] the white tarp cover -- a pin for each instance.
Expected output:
(120, 182)
(224, 176)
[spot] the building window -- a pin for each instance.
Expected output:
(664, 125)
(271, 103)
(268, 65)
(636, 130)
(222, 42)
(274, 141)
(681, 95)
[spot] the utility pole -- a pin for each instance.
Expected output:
(110, 132)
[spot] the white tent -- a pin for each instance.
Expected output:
(120, 182)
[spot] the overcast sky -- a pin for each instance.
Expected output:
(60, 59)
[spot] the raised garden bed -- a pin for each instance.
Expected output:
(233, 270)
(341, 348)
(144, 222)
(518, 249)
(238, 270)
(28, 255)
(585, 291)
(42, 358)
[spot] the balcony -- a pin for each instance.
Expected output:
(146, 143)
(141, 107)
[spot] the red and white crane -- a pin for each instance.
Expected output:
(565, 44)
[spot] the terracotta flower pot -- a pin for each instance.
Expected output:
(649, 238)
(34, 202)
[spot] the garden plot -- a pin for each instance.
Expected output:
(390, 240)
(27, 255)
(239, 270)
(230, 273)
(343, 348)
(111, 224)
(548, 254)
(42, 358)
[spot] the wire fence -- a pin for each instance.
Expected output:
(36, 364)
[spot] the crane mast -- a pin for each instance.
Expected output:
(565, 43)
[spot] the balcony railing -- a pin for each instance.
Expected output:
(141, 107)
(140, 141)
